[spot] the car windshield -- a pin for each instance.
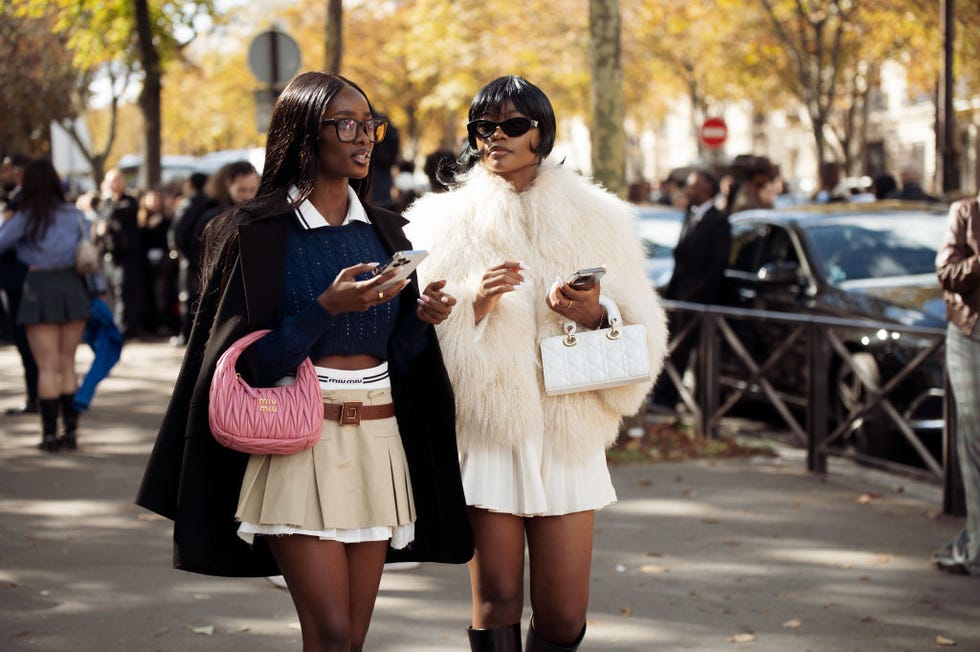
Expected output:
(659, 228)
(877, 246)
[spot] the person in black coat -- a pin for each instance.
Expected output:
(700, 258)
(119, 240)
(192, 205)
(316, 168)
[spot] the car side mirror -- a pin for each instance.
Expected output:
(782, 273)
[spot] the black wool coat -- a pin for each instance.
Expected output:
(195, 482)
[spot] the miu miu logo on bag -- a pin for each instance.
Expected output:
(268, 405)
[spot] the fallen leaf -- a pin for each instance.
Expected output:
(744, 637)
(942, 640)
(792, 624)
(626, 611)
(207, 630)
(652, 568)
(656, 554)
(645, 483)
(871, 496)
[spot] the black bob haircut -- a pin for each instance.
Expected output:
(528, 99)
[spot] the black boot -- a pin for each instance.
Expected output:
(535, 644)
(69, 416)
(496, 639)
(49, 424)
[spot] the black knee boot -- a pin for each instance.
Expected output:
(535, 644)
(69, 416)
(496, 639)
(49, 424)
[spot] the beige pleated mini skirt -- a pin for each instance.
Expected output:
(352, 486)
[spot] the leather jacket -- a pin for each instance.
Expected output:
(958, 265)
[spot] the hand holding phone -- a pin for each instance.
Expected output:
(403, 263)
(585, 278)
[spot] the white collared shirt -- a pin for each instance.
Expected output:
(309, 217)
(701, 210)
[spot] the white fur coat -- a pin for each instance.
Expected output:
(560, 223)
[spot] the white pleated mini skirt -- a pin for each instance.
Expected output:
(530, 479)
(352, 486)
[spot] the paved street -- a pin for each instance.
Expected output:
(734, 554)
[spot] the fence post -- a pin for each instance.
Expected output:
(954, 499)
(708, 380)
(818, 352)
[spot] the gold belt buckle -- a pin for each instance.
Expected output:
(350, 413)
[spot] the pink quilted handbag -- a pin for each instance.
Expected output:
(264, 420)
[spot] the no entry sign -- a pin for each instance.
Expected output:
(713, 133)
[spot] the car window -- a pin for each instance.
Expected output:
(877, 247)
(747, 241)
(659, 230)
(778, 248)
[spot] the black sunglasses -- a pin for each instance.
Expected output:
(346, 129)
(512, 127)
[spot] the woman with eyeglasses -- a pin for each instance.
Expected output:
(383, 479)
(507, 236)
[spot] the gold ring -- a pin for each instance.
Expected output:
(381, 295)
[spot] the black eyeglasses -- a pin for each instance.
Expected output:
(346, 129)
(512, 127)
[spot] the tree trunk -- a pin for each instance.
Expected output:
(333, 41)
(149, 98)
(607, 100)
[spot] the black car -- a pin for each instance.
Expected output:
(869, 261)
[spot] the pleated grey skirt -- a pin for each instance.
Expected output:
(53, 296)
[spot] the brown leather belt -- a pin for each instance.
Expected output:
(353, 412)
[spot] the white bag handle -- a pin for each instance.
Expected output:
(613, 316)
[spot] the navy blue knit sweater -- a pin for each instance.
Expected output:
(314, 258)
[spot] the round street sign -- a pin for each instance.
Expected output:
(713, 132)
(273, 57)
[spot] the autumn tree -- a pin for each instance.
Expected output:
(142, 34)
(333, 38)
(35, 84)
(607, 103)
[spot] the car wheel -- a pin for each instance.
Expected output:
(868, 434)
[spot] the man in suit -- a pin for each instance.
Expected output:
(700, 258)
(119, 238)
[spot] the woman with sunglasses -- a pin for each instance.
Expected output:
(383, 478)
(533, 466)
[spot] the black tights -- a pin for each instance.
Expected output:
(333, 586)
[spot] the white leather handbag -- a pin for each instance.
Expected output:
(587, 360)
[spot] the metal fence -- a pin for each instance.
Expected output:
(825, 340)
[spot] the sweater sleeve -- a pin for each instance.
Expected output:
(281, 351)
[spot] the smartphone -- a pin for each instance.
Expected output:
(404, 262)
(586, 278)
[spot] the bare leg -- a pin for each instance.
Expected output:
(69, 336)
(497, 568)
(44, 340)
(560, 550)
